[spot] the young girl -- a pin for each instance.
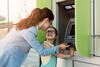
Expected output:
(15, 46)
(51, 60)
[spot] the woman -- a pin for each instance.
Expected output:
(51, 60)
(15, 46)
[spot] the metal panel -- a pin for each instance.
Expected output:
(84, 64)
(64, 63)
(96, 27)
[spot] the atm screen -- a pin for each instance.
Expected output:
(72, 32)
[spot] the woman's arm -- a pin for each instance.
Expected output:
(29, 36)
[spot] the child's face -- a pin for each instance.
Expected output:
(50, 34)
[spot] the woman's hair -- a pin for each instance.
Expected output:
(36, 16)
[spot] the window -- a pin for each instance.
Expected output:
(11, 11)
(3, 18)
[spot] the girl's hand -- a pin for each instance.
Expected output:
(71, 51)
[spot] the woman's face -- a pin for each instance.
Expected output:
(46, 24)
(51, 34)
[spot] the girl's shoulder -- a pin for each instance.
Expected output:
(47, 43)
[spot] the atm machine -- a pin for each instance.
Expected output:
(70, 33)
(78, 23)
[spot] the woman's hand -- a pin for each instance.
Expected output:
(63, 46)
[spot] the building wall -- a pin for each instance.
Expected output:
(87, 34)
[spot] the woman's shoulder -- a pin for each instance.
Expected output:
(33, 28)
(30, 29)
(29, 32)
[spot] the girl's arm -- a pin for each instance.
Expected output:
(63, 55)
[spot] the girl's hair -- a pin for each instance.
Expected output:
(36, 16)
(55, 30)
(55, 33)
